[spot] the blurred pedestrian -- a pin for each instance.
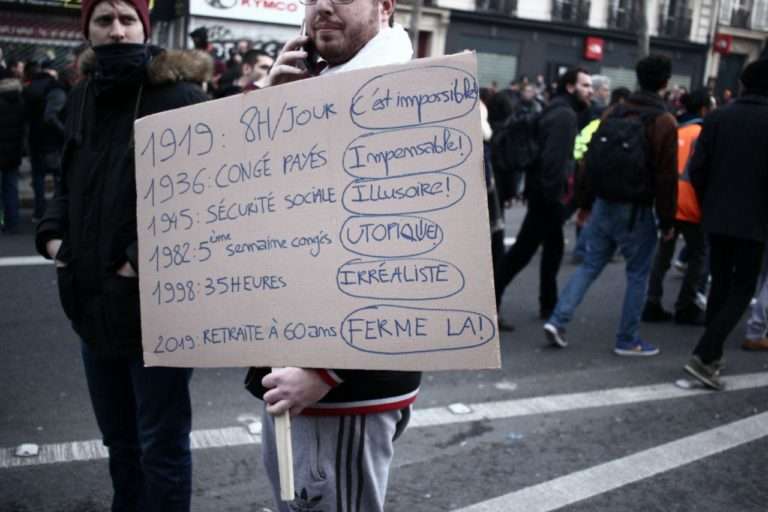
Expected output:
(495, 208)
(16, 67)
(254, 69)
(757, 325)
(630, 165)
(89, 229)
(545, 188)
(45, 139)
(601, 97)
(729, 171)
(502, 104)
(11, 148)
(618, 95)
(687, 223)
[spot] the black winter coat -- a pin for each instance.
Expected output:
(729, 170)
(557, 129)
(43, 137)
(94, 212)
(11, 123)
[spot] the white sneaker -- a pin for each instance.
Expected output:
(701, 301)
(555, 335)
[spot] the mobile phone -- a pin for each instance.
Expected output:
(310, 62)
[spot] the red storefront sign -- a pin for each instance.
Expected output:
(723, 43)
(593, 48)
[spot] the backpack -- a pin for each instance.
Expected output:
(515, 149)
(617, 162)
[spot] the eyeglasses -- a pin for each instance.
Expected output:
(334, 2)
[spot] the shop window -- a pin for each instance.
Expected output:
(496, 67)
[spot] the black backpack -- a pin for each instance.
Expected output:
(617, 160)
(515, 148)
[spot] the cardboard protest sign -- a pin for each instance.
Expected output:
(338, 221)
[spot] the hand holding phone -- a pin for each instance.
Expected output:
(297, 60)
(310, 62)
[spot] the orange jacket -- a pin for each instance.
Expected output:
(688, 209)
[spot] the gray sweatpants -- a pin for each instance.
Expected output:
(757, 325)
(340, 463)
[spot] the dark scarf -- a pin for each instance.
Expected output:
(120, 66)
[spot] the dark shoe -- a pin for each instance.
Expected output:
(691, 315)
(505, 326)
(707, 374)
(755, 345)
(544, 314)
(653, 312)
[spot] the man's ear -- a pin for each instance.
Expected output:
(386, 9)
(570, 88)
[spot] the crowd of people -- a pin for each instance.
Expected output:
(637, 171)
(33, 95)
(631, 166)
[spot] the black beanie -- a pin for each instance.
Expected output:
(755, 76)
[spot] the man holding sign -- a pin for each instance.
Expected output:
(89, 229)
(345, 420)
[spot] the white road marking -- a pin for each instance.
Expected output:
(597, 480)
(94, 449)
(576, 401)
(435, 416)
(509, 241)
(24, 261)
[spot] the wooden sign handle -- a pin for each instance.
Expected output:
(284, 455)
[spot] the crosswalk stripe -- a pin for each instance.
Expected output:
(24, 261)
(581, 485)
(421, 418)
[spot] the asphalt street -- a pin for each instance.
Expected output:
(576, 429)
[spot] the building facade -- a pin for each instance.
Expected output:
(516, 38)
(40, 30)
(739, 35)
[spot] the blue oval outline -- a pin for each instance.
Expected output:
(430, 351)
(406, 212)
(354, 217)
(420, 127)
(472, 108)
(378, 260)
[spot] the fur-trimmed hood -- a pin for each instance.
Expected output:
(166, 66)
(10, 85)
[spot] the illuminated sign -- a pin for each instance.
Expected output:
(284, 12)
(593, 48)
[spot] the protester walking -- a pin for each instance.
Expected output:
(545, 187)
(687, 223)
(631, 165)
(729, 172)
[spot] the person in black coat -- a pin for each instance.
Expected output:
(45, 139)
(729, 171)
(545, 186)
(90, 229)
(11, 147)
